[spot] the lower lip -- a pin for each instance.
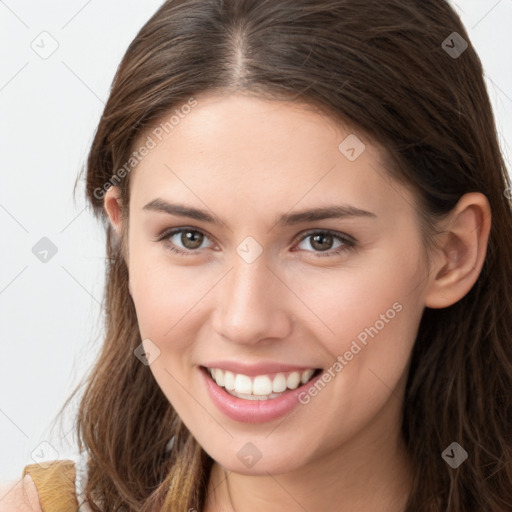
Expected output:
(254, 411)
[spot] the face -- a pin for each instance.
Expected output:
(267, 296)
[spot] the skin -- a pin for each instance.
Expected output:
(248, 161)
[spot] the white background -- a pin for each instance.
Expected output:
(51, 324)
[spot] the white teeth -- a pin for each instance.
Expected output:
(229, 379)
(218, 375)
(306, 375)
(293, 380)
(243, 384)
(254, 397)
(279, 383)
(261, 387)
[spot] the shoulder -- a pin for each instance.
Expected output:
(19, 496)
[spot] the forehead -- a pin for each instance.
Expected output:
(256, 154)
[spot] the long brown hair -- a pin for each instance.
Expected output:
(383, 67)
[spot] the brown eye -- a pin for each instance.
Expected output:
(331, 243)
(185, 241)
(191, 239)
(322, 242)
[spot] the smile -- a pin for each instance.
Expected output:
(260, 387)
(243, 404)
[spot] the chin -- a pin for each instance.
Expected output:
(274, 463)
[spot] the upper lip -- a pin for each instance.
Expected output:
(262, 368)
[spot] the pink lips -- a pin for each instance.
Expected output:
(254, 411)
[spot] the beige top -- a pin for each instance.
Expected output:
(60, 484)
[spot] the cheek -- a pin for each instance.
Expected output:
(378, 314)
(167, 297)
(162, 297)
(375, 318)
(381, 297)
(155, 293)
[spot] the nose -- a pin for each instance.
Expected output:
(252, 304)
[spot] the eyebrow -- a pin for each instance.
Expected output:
(287, 219)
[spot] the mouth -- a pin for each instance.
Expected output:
(260, 387)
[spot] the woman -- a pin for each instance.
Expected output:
(308, 301)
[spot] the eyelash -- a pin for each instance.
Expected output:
(348, 243)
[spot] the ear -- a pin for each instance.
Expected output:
(461, 254)
(112, 204)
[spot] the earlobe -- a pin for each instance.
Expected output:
(461, 253)
(112, 204)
